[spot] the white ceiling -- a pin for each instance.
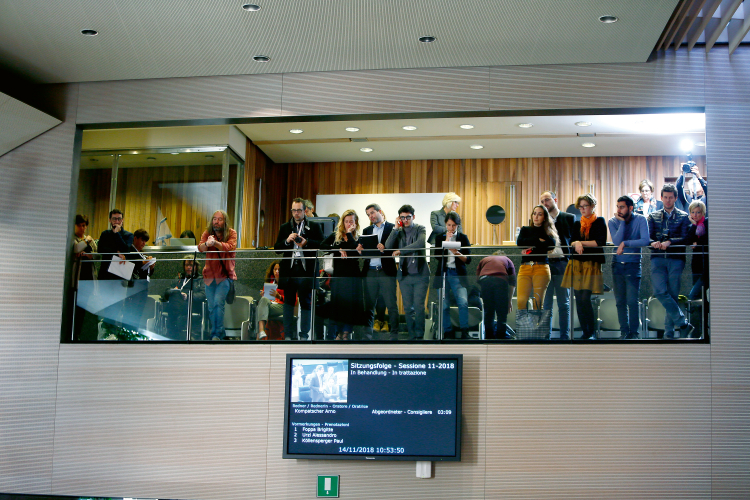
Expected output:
(159, 39)
(442, 138)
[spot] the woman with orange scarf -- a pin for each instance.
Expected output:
(584, 271)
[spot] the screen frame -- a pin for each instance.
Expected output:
(458, 358)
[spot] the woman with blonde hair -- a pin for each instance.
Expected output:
(437, 218)
(584, 271)
(534, 275)
(698, 238)
(346, 307)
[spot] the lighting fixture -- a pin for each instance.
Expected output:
(209, 156)
(89, 32)
(466, 126)
(296, 131)
(174, 153)
(262, 59)
(366, 150)
(583, 124)
(476, 146)
(251, 7)
(700, 144)
(427, 39)
(686, 145)
(409, 127)
(525, 125)
(588, 144)
(352, 129)
(608, 19)
(150, 158)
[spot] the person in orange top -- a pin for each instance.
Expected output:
(218, 242)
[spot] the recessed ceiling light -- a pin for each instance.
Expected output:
(608, 19)
(583, 124)
(89, 32)
(150, 158)
(700, 144)
(466, 126)
(251, 7)
(476, 146)
(296, 131)
(409, 127)
(588, 144)
(209, 156)
(525, 125)
(352, 129)
(262, 59)
(174, 153)
(427, 39)
(686, 145)
(366, 150)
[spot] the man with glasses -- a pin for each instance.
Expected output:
(558, 261)
(113, 241)
(408, 243)
(297, 241)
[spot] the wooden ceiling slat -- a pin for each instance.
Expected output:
(737, 32)
(728, 8)
(708, 11)
(676, 15)
(693, 12)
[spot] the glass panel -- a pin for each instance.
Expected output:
(94, 183)
(183, 187)
(234, 191)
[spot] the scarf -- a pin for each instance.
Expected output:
(700, 227)
(586, 223)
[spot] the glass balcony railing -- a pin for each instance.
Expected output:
(662, 298)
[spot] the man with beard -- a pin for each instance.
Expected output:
(218, 242)
(297, 241)
(558, 261)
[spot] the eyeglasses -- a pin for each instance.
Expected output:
(297, 210)
(406, 217)
(116, 219)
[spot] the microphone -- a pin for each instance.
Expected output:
(163, 220)
(162, 238)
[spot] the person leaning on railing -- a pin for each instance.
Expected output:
(584, 271)
(534, 275)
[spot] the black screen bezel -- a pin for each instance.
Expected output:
(457, 358)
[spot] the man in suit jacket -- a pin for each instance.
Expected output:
(380, 272)
(413, 274)
(298, 241)
(558, 261)
(316, 384)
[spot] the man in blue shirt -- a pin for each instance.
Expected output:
(629, 232)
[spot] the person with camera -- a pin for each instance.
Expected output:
(297, 242)
(668, 234)
(696, 187)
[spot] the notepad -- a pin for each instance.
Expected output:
(269, 289)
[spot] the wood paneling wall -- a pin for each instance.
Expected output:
(485, 182)
(273, 203)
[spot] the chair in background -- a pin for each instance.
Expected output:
(608, 320)
(655, 316)
(237, 318)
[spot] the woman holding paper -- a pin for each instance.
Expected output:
(453, 249)
(271, 303)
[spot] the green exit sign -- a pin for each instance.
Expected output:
(328, 486)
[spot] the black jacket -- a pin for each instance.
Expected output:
(564, 225)
(675, 230)
(441, 257)
(388, 262)
(314, 236)
(598, 233)
(529, 237)
(111, 242)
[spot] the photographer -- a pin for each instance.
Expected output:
(695, 190)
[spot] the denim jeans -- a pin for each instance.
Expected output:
(557, 269)
(462, 301)
(627, 284)
(216, 296)
(414, 292)
(665, 278)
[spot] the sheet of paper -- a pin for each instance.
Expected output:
(80, 247)
(268, 289)
(124, 270)
(148, 263)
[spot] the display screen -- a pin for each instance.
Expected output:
(373, 407)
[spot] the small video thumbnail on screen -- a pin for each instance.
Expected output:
(319, 380)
